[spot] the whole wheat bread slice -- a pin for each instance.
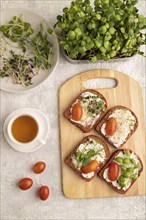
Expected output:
(89, 127)
(105, 118)
(69, 162)
(100, 173)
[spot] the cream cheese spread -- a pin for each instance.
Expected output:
(88, 175)
(125, 124)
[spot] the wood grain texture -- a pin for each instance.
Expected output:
(127, 93)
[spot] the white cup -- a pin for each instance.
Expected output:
(37, 137)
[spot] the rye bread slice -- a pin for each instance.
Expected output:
(105, 118)
(69, 162)
(89, 127)
(100, 174)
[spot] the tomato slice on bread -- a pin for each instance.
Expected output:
(113, 171)
(77, 112)
(90, 167)
(111, 126)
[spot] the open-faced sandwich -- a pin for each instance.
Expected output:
(86, 110)
(122, 170)
(88, 157)
(117, 125)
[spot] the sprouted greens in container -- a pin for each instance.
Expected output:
(107, 29)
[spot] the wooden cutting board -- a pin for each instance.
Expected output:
(127, 93)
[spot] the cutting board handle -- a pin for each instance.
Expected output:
(107, 74)
(95, 74)
(80, 79)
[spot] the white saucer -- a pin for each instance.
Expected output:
(43, 126)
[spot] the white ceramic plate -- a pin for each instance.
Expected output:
(43, 127)
(34, 19)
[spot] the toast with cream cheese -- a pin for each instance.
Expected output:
(88, 157)
(129, 169)
(117, 125)
(86, 110)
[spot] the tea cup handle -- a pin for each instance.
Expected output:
(41, 141)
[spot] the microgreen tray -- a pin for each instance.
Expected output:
(89, 61)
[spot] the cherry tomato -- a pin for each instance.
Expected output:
(77, 112)
(44, 192)
(111, 126)
(25, 183)
(90, 167)
(113, 171)
(39, 167)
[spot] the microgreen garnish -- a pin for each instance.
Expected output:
(84, 157)
(18, 68)
(94, 105)
(17, 29)
(38, 45)
(129, 168)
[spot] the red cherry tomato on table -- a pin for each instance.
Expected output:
(39, 167)
(77, 112)
(44, 192)
(25, 183)
(113, 171)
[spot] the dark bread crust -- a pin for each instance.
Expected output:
(68, 159)
(100, 174)
(104, 119)
(88, 128)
